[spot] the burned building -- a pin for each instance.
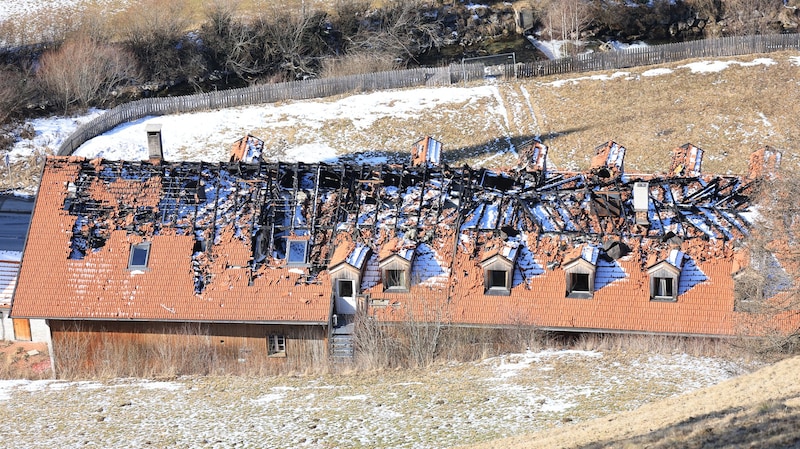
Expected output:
(281, 257)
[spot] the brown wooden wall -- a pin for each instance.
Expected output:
(190, 348)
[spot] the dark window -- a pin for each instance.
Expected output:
(663, 288)
(140, 255)
(395, 279)
(580, 282)
(345, 288)
(277, 345)
(497, 278)
(296, 253)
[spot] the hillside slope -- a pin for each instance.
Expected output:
(761, 410)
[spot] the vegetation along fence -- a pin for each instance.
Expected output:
(318, 88)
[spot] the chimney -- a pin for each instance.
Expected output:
(533, 156)
(686, 161)
(641, 202)
(154, 147)
(764, 163)
(426, 151)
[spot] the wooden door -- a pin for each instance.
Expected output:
(22, 329)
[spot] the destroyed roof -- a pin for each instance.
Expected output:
(222, 238)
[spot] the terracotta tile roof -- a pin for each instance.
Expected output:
(58, 279)
(219, 237)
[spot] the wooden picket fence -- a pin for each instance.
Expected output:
(455, 73)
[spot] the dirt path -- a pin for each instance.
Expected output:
(761, 409)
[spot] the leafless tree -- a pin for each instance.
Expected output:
(567, 19)
(746, 17)
(768, 288)
(16, 90)
(83, 72)
(157, 34)
(295, 41)
(403, 29)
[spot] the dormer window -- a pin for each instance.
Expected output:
(297, 252)
(396, 271)
(580, 273)
(498, 279)
(498, 268)
(140, 256)
(664, 277)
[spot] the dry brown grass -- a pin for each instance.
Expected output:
(719, 112)
(24, 360)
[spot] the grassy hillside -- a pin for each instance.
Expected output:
(761, 410)
(650, 110)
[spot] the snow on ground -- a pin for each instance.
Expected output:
(560, 83)
(550, 49)
(207, 136)
(616, 45)
(49, 134)
(188, 136)
(718, 66)
(15, 8)
(657, 72)
(456, 404)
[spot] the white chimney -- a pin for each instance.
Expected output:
(154, 147)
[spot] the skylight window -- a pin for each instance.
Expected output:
(296, 252)
(140, 256)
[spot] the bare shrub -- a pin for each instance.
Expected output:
(16, 91)
(156, 33)
(83, 72)
(295, 43)
(73, 354)
(400, 28)
(747, 17)
(767, 289)
(357, 63)
(567, 19)
(376, 345)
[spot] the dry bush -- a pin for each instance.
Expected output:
(357, 63)
(156, 33)
(747, 17)
(34, 29)
(655, 344)
(376, 344)
(84, 72)
(16, 91)
(24, 173)
(400, 28)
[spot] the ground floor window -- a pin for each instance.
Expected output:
(276, 345)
